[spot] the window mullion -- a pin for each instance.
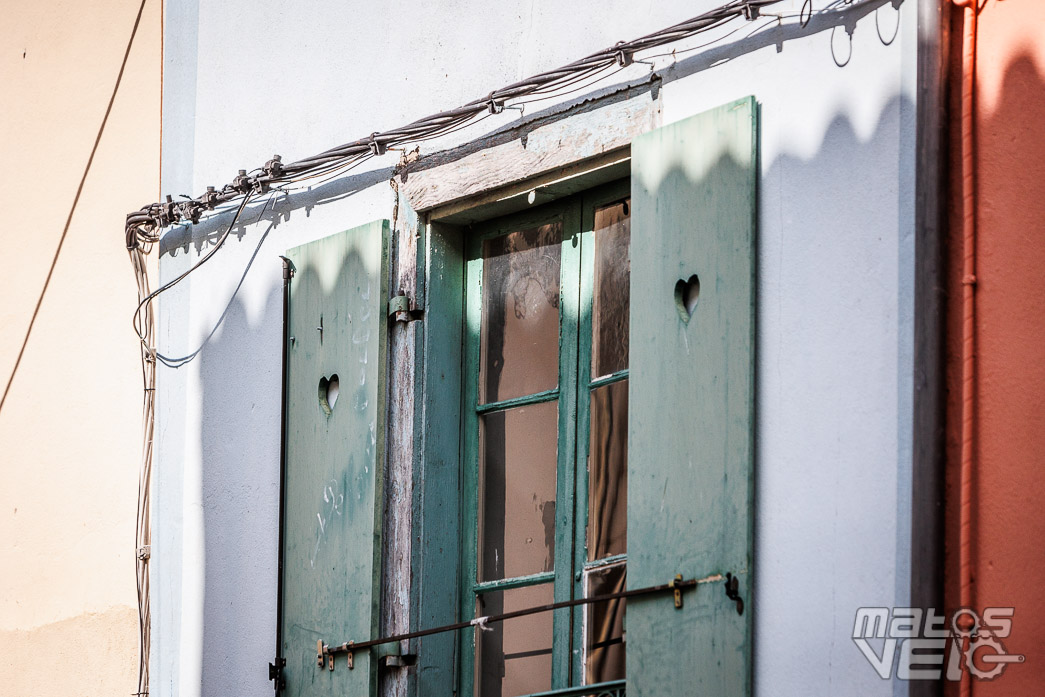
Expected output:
(470, 458)
(566, 487)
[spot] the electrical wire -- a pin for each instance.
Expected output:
(146, 302)
(143, 227)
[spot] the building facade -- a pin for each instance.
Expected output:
(669, 322)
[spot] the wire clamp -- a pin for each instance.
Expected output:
(169, 212)
(376, 146)
(242, 183)
(190, 210)
(624, 58)
(274, 167)
(209, 198)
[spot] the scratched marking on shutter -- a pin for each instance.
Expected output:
(333, 500)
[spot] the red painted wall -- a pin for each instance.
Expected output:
(1009, 479)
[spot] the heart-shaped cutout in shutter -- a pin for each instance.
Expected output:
(328, 391)
(686, 294)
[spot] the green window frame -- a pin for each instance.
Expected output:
(576, 214)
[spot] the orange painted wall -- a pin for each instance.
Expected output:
(70, 429)
(1009, 480)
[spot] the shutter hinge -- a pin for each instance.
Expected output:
(276, 674)
(391, 656)
(401, 309)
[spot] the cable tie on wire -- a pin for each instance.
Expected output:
(480, 622)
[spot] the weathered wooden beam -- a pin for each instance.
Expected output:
(541, 147)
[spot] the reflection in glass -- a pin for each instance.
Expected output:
(604, 625)
(514, 657)
(519, 344)
(517, 468)
(608, 471)
(609, 341)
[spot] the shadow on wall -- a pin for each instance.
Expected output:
(830, 365)
(839, 14)
(833, 375)
(241, 391)
(1008, 482)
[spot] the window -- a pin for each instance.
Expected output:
(545, 443)
(557, 367)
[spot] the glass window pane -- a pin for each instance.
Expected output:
(518, 451)
(519, 344)
(608, 471)
(514, 657)
(604, 626)
(609, 341)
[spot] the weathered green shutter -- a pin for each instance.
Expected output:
(333, 482)
(691, 416)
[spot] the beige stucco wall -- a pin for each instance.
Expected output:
(70, 428)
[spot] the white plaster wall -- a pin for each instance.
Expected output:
(245, 80)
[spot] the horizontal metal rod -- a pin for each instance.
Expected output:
(351, 647)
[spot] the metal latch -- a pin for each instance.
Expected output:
(677, 590)
(324, 654)
(732, 592)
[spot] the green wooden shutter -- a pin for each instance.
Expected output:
(333, 482)
(690, 449)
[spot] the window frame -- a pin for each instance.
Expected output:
(573, 395)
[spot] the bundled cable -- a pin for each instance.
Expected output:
(144, 225)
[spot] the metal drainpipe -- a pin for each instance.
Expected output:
(276, 669)
(928, 484)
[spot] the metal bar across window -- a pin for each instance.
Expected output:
(682, 584)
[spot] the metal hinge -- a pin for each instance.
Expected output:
(401, 309)
(276, 674)
(391, 656)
